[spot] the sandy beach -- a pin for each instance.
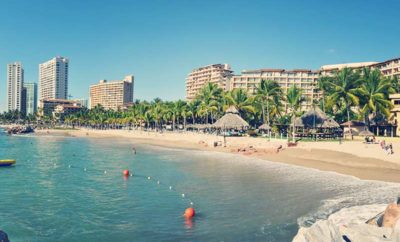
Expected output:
(365, 161)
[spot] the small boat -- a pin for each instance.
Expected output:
(7, 162)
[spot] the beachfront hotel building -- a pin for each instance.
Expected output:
(53, 79)
(389, 68)
(395, 111)
(15, 83)
(112, 95)
(329, 70)
(30, 91)
(63, 110)
(47, 106)
(302, 78)
(198, 78)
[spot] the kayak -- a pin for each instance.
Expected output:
(7, 162)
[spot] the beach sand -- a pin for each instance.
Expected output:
(365, 161)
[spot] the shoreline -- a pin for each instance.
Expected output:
(349, 158)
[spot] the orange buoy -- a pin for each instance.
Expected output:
(126, 172)
(189, 213)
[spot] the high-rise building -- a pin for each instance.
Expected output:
(198, 78)
(112, 95)
(15, 82)
(23, 100)
(53, 79)
(31, 97)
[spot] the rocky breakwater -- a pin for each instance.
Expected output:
(20, 129)
(356, 225)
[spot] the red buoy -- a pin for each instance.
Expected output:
(126, 172)
(189, 213)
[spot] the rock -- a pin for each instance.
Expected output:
(349, 222)
(391, 215)
(20, 129)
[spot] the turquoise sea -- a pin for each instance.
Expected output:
(72, 189)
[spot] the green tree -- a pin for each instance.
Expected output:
(268, 91)
(345, 88)
(241, 101)
(374, 94)
(209, 97)
(294, 99)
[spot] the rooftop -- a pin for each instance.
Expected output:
(387, 61)
(350, 65)
(279, 70)
(58, 100)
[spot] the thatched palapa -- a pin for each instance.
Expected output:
(316, 118)
(353, 123)
(231, 120)
(366, 133)
(264, 127)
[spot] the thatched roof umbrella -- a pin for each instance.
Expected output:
(366, 133)
(231, 120)
(352, 123)
(316, 118)
(265, 127)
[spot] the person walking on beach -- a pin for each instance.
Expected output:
(390, 149)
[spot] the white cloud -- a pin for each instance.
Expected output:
(331, 51)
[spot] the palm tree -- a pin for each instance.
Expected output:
(344, 89)
(177, 109)
(268, 91)
(158, 111)
(209, 97)
(241, 101)
(395, 84)
(192, 108)
(323, 87)
(147, 118)
(374, 93)
(294, 99)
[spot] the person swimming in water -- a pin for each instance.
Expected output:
(3, 237)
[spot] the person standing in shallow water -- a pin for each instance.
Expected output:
(3, 237)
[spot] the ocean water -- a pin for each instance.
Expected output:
(72, 189)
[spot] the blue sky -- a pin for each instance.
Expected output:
(160, 42)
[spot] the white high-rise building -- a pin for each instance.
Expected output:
(53, 79)
(15, 82)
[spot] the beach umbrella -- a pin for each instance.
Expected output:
(231, 120)
(264, 127)
(366, 133)
(352, 123)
